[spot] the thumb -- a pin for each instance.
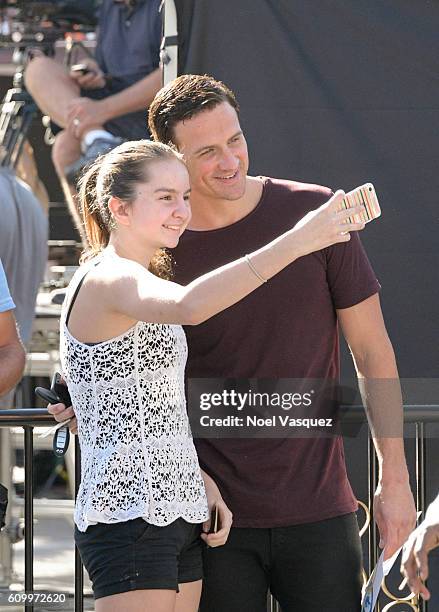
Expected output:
(206, 526)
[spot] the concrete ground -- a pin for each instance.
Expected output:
(54, 560)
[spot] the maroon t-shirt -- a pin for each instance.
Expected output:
(287, 328)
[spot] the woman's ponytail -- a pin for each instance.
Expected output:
(95, 217)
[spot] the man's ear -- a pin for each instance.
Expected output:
(119, 210)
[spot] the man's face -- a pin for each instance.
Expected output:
(215, 151)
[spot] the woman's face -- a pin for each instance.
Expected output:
(161, 211)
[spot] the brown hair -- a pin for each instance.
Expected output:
(183, 98)
(116, 174)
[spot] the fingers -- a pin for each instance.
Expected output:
(411, 566)
(91, 80)
(346, 213)
(346, 220)
(352, 227)
(335, 205)
(421, 560)
(225, 521)
(216, 539)
(335, 202)
(60, 412)
(389, 540)
(381, 524)
(75, 75)
(73, 426)
(86, 79)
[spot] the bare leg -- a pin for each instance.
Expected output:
(150, 600)
(65, 151)
(188, 599)
(27, 170)
(51, 87)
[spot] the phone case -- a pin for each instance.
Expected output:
(61, 390)
(214, 520)
(366, 196)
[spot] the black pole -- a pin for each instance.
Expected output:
(79, 570)
(28, 512)
(421, 483)
(372, 485)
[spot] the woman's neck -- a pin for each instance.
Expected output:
(131, 251)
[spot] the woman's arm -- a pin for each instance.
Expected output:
(144, 297)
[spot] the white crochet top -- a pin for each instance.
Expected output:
(137, 454)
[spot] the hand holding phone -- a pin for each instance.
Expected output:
(81, 68)
(88, 75)
(58, 393)
(214, 520)
(366, 197)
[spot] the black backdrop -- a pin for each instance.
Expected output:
(341, 93)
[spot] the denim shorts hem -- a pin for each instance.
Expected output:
(133, 585)
(192, 574)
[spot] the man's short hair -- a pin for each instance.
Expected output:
(183, 98)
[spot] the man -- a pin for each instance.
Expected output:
(414, 562)
(23, 246)
(98, 109)
(11, 349)
(295, 530)
(23, 252)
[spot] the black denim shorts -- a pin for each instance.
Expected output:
(134, 555)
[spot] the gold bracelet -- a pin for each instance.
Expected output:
(253, 269)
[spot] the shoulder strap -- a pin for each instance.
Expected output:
(75, 295)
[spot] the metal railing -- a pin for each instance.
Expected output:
(28, 418)
(32, 417)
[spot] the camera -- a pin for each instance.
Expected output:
(35, 22)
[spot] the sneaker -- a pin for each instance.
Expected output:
(99, 146)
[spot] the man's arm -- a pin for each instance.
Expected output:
(12, 356)
(374, 359)
(134, 98)
(137, 97)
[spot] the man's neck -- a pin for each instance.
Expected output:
(214, 214)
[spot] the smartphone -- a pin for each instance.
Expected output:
(58, 392)
(214, 521)
(82, 68)
(364, 195)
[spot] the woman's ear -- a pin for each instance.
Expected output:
(119, 210)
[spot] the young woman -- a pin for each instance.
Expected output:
(143, 499)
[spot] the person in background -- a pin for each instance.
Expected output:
(11, 349)
(98, 109)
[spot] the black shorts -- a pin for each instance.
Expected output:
(134, 555)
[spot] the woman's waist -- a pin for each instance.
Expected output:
(102, 446)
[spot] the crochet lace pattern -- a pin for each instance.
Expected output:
(137, 454)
